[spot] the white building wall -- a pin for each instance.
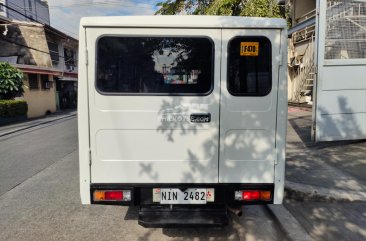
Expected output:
(341, 82)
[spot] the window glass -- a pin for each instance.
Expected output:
(249, 66)
(53, 48)
(69, 58)
(33, 81)
(155, 65)
(30, 5)
(45, 82)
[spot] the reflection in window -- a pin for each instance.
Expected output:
(249, 66)
(161, 65)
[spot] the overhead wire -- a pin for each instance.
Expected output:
(25, 46)
(78, 4)
(88, 3)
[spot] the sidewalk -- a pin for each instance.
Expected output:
(325, 182)
(12, 128)
(329, 168)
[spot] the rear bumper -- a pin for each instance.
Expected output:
(141, 194)
(183, 217)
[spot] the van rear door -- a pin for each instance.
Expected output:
(249, 81)
(154, 104)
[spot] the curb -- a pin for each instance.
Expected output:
(304, 192)
(34, 125)
(288, 223)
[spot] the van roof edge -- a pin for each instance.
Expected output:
(184, 22)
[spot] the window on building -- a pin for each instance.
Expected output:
(69, 56)
(30, 5)
(155, 65)
(53, 49)
(46, 84)
(33, 81)
(249, 66)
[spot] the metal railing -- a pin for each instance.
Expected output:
(305, 73)
(306, 16)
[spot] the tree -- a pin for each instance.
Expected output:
(11, 82)
(250, 8)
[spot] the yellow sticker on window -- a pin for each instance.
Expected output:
(249, 48)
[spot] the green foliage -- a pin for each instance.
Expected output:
(11, 82)
(261, 8)
(251, 8)
(172, 7)
(224, 8)
(12, 108)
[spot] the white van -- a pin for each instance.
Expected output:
(183, 116)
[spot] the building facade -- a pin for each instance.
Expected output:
(327, 65)
(64, 57)
(26, 10)
(48, 59)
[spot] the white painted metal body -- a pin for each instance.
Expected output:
(127, 142)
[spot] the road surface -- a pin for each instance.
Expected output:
(39, 198)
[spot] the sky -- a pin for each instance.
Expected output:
(66, 14)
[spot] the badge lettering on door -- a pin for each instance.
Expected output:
(201, 118)
(249, 48)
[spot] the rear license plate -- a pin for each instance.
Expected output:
(188, 196)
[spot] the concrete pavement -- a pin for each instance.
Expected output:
(325, 183)
(23, 153)
(326, 170)
(12, 128)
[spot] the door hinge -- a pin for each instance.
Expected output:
(275, 161)
(90, 158)
(86, 57)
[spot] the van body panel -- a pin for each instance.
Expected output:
(281, 125)
(184, 21)
(248, 123)
(83, 120)
(215, 139)
(150, 138)
(186, 160)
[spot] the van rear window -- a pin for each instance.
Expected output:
(155, 65)
(249, 66)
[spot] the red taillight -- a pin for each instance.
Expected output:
(250, 195)
(114, 195)
(253, 195)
